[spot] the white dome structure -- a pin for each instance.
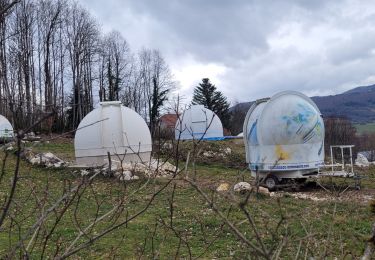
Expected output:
(115, 129)
(6, 129)
(284, 135)
(198, 122)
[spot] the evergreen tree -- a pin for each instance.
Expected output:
(159, 96)
(207, 95)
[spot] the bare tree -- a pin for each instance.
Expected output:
(338, 131)
(155, 81)
(82, 35)
(54, 57)
(115, 66)
(6, 6)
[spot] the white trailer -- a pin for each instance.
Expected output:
(284, 138)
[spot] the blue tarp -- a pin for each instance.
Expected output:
(233, 137)
(221, 138)
(214, 139)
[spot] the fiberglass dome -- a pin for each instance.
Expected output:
(6, 129)
(115, 129)
(197, 123)
(284, 133)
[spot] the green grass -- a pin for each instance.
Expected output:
(365, 128)
(306, 222)
(63, 150)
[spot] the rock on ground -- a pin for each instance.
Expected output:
(227, 151)
(154, 168)
(222, 187)
(84, 172)
(264, 191)
(45, 159)
(362, 161)
(128, 176)
(9, 148)
(131, 171)
(32, 137)
(242, 187)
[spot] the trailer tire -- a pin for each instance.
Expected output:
(271, 182)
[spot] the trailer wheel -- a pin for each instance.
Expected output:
(271, 182)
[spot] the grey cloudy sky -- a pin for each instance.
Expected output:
(252, 49)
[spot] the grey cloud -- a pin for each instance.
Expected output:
(330, 51)
(358, 47)
(224, 31)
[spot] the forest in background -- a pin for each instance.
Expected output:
(54, 57)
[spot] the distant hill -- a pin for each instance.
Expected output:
(357, 104)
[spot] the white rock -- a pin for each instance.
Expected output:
(47, 159)
(32, 137)
(167, 146)
(227, 151)
(264, 191)
(84, 172)
(242, 187)
(153, 168)
(208, 154)
(304, 196)
(128, 176)
(273, 194)
(128, 171)
(361, 161)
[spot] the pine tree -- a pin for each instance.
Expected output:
(207, 95)
(159, 96)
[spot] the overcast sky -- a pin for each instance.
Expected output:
(252, 49)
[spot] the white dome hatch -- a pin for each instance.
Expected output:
(115, 129)
(197, 123)
(6, 129)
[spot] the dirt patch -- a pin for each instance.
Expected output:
(320, 195)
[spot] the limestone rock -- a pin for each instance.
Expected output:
(208, 154)
(154, 168)
(128, 176)
(167, 146)
(227, 151)
(131, 171)
(32, 137)
(264, 191)
(361, 161)
(223, 153)
(45, 159)
(84, 172)
(242, 187)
